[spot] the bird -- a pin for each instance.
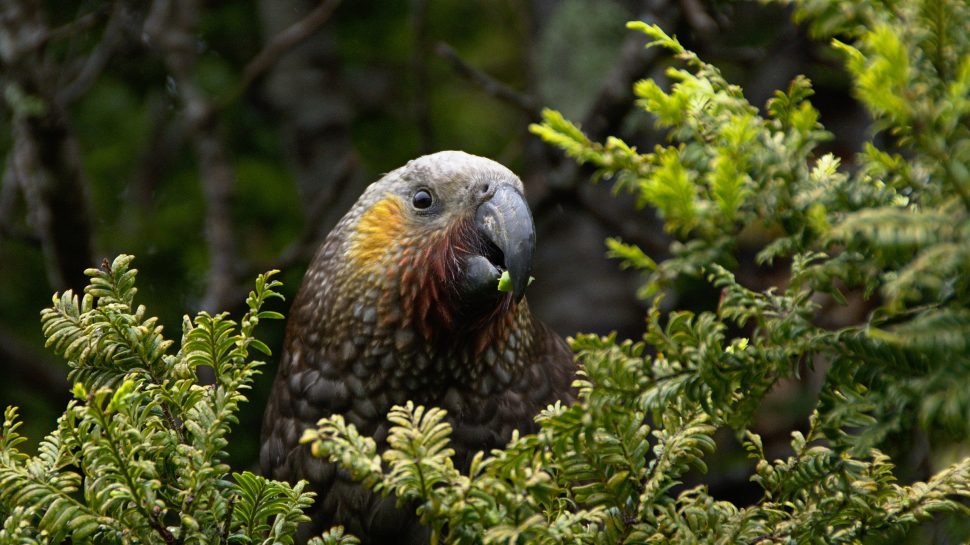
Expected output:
(401, 302)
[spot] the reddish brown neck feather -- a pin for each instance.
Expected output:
(435, 305)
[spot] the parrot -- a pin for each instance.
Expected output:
(401, 302)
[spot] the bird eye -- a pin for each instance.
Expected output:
(422, 199)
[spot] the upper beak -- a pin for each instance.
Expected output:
(506, 221)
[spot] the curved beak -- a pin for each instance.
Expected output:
(505, 220)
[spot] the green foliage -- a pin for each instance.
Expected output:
(138, 455)
(892, 230)
(486, 506)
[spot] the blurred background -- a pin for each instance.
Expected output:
(216, 140)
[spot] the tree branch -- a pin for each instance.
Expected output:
(45, 157)
(171, 24)
(95, 62)
(487, 83)
(309, 238)
(630, 231)
(81, 24)
(280, 44)
(615, 99)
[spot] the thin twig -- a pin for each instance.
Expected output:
(317, 211)
(23, 34)
(55, 195)
(615, 99)
(308, 241)
(219, 181)
(612, 104)
(487, 83)
(636, 234)
(95, 62)
(119, 454)
(79, 25)
(228, 523)
(281, 43)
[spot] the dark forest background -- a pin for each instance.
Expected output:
(216, 140)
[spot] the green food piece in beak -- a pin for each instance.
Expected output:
(505, 282)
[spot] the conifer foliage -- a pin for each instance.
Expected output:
(137, 456)
(893, 228)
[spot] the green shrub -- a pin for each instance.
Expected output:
(893, 228)
(138, 455)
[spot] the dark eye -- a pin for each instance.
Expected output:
(422, 199)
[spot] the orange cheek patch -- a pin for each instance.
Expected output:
(377, 231)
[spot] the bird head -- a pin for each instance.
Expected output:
(437, 235)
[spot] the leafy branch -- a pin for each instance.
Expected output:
(138, 456)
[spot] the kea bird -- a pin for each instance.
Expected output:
(401, 302)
